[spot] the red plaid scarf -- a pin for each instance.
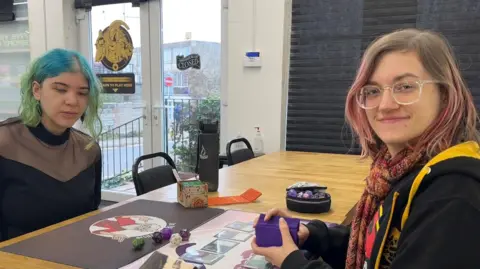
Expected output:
(384, 172)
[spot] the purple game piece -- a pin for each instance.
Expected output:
(268, 233)
(292, 193)
(157, 237)
(310, 193)
(166, 233)
(185, 234)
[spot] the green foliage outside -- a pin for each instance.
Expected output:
(184, 129)
(118, 180)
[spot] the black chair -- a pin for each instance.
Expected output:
(239, 155)
(153, 178)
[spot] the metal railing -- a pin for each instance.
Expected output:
(122, 145)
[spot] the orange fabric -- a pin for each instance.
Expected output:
(247, 197)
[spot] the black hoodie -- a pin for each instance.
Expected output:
(429, 220)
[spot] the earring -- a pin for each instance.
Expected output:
(82, 118)
(39, 107)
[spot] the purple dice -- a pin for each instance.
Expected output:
(268, 232)
(185, 234)
(166, 233)
(292, 193)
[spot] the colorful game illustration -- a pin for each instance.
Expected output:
(221, 243)
(123, 227)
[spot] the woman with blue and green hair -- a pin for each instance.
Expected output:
(49, 171)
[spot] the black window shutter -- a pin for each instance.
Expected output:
(327, 41)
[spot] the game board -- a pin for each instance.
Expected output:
(232, 233)
(104, 241)
(219, 239)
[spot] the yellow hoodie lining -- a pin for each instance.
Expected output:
(467, 149)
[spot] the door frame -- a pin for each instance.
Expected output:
(152, 95)
(224, 136)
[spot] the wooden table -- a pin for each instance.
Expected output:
(270, 174)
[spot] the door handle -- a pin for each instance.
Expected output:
(145, 111)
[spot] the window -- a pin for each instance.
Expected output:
(185, 51)
(14, 58)
(179, 79)
(167, 56)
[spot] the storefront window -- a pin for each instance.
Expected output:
(14, 58)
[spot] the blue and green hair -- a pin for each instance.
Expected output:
(52, 64)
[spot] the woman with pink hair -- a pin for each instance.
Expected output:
(414, 116)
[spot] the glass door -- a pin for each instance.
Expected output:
(119, 49)
(191, 48)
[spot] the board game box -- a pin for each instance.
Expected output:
(192, 193)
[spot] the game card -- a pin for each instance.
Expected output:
(233, 235)
(242, 226)
(219, 246)
(201, 257)
(258, 262)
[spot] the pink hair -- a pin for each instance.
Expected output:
(458, 118)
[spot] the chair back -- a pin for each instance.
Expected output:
(239, 155)
(153, 178)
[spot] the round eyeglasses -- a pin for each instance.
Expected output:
(403, 92)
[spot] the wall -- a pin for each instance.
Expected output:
(52, 24)
(256, 96)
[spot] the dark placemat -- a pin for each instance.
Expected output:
(76, 245)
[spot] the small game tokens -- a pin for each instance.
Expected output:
(185, 234)
(157, 237)
(166, 233)
(138, 243)
(176, 239)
